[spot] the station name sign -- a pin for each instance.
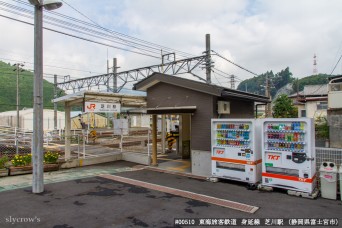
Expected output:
(101, 107)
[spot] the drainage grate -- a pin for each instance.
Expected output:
(186, 194)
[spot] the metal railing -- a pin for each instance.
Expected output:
(328, 154)
(14, 141)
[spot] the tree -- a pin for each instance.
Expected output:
(284, 108)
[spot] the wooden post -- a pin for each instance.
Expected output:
(154, 140)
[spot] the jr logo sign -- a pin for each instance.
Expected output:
(91, 106)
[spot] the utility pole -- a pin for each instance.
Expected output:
(208, 58)
(115, 76)
(18, 69)
(232, 81)
(107, 74)
(55, 103)
(268, 109)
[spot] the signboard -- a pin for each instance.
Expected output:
(101, 107)
(120, 126)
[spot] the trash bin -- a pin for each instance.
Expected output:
(328, 176)
(340, 173)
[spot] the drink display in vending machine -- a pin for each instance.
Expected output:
(236, 153)
(288, 154)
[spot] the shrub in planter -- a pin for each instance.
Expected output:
(3, 161)
(21, 160)
(50, 157)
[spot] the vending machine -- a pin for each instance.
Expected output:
(236, 149)
(288, 154)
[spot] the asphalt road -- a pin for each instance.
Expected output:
(98, 202)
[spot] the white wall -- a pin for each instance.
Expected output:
(26, 119)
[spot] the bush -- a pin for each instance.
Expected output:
(51, 157)
(322, 128)
(3, 161)
(21, 160)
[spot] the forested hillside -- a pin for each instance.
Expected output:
(8, 82)
(257, 84)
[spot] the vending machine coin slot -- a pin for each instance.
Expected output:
(298, 157)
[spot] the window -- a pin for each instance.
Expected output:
(302, 113)
(322, 105)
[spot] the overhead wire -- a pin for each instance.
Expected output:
(96, 26)
(234, 63)
(130, 41)
(47, 65)
(336, 65)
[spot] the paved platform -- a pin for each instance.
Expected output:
(100, 202)
(22, 181)
(186, 194)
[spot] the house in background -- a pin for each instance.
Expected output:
(312, 102)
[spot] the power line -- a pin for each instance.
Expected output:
(336, 65)
(64, 68)
(81, 38)
(98, 24)
(234, 63)
(136, 41)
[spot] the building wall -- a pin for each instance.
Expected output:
(238, 109)
(335, 127)
(300, 108)
(166, 95)
(311, 110)
(26, 119)
(94, 120)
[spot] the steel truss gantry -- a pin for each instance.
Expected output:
(172, 68)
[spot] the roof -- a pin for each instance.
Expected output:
(315, 90)
(312, 91)
(125, 99)
(211, 89)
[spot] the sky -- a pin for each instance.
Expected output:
(260, 35)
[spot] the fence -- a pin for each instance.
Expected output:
(328, 154)
(14, 141)
(106, 142)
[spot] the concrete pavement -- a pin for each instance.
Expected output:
(100, 202)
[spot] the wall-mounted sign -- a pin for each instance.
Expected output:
(101, 107)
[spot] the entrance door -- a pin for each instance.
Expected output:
(185, 135)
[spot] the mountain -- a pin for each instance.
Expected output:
(8, 89)
(257, 84)
(280, 83)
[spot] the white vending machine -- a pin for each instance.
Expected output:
(288, 154)
(236, 149)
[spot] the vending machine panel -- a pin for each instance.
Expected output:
(236, 149)
(288, 154)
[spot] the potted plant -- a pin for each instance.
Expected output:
(3, 169)
(22, 164)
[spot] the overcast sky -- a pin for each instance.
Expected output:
(260, 35)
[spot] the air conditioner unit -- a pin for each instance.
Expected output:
(223, 107)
